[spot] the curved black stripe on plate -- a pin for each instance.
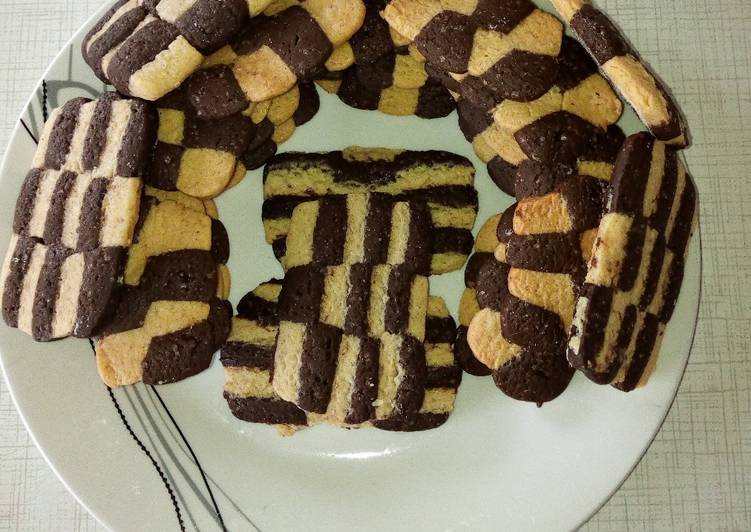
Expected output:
(193, 455)
(143, 448)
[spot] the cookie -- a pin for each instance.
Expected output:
(148, 48)
(372, 41)
(279, 123)
(107, 137)
(443, 375)
(494, 50)
(248, 359)
(360, 228)
(444, 180)
(74, 216)
(480, 262)
(273, 53)
(51, 291)
(344, 328)
(626, 70)
(568, 130)
(527, 304)
(170, 314)
(195, 156)
(634, 276)
(396, 84)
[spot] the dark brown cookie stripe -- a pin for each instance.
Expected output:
(204, 157)
(569, 130)
(490, 50)
(170, 315)
(628, 72)
(147, 48)
(444, 180)
(248, 359)
(360, 228)
(286, 45)
(526, 299)
(635, 274)
(341, 329)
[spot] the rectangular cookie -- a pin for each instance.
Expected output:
(360, 228)
(147, 48)
(50, 291)
(626, 70)
(248, 359)
(75, 215)
(491, 50)
(286, 45)
(341, 327)
(634, 276)
(443, 180)
(170, 314)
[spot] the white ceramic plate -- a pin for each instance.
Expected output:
(145, 458)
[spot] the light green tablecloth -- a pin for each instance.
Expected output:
(697, 474)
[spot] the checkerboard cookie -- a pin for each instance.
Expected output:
(626, 70)
(493, 50)
(635, 273)
(360, 228)
(345, 324)
(570, 126)
(75, 214)
(444, 180)
(286, 45)
(170, 314)
(248, 359)
(147, 48)
(521, 326)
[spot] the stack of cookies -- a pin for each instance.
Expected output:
(351, 335)
(116, 236)
(539, 111)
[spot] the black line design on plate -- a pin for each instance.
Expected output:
(160, 458)
(179, 445)
(29, 132)
(145, 451)
(192, 485)
(45, 113)
(193, 455)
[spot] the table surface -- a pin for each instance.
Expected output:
(697, 473)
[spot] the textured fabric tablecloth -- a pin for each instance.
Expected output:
(697, 474)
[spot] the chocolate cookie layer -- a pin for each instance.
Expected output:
(443, 180)
(634, 276)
